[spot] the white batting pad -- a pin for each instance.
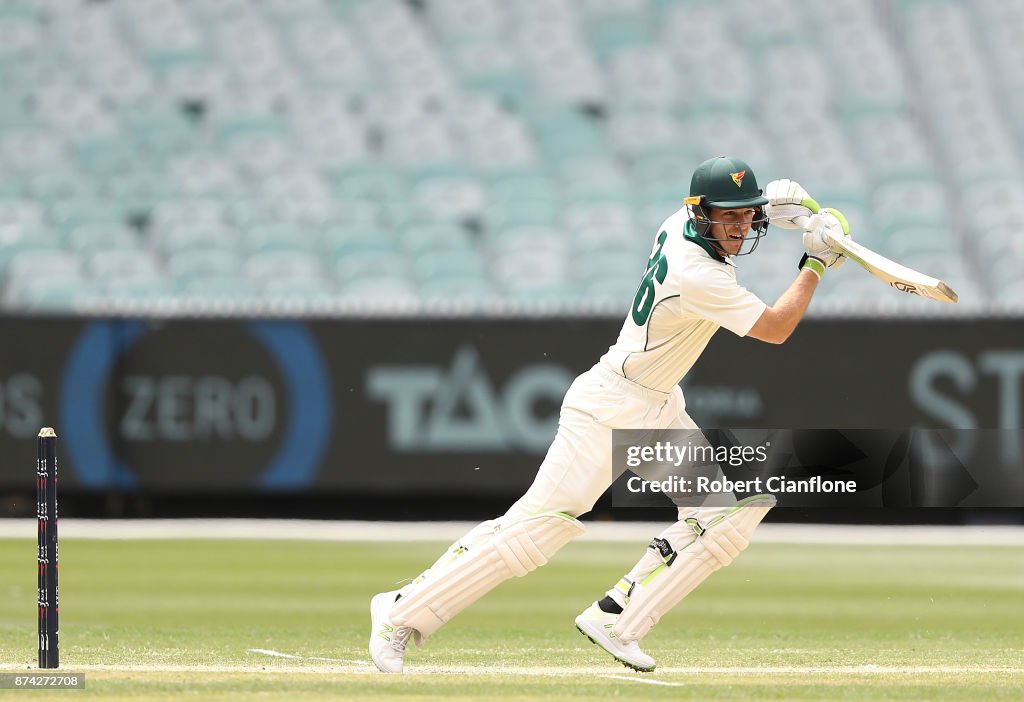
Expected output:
(478, 567)
(682, 558)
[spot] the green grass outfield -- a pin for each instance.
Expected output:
(174, 620)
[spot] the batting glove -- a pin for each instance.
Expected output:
(817, 246)
(787, 200)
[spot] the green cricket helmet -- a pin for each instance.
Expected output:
(727, 183)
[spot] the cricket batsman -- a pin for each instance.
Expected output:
(687, 292)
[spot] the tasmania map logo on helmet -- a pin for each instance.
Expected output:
(738, 178)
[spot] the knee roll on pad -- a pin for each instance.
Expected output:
(520, 552)
(717, 544)
(729, 541)
(511, 551)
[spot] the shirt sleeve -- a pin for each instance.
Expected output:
(715, 295)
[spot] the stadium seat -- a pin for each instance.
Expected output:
(380, 291)
(892, 145)
(449, 198)
(188, 211)
(474, 289)
(19, 212)
(119, 290)
(487, 67)
(358, 265)
(107, 156)
(910, 244)
(611, 34)
(17, 239)
(298, 288)
(890, 205)
(185, 266)
(299, 196)
(258, 155)
(549, 296)
(139, 192)
(529, 240)
(43, 263)
(373, 184)
(66, 215)
(34, 150)
(246, 211)
(205, 175)
(54, 294)
(279, 237)
(49, 186)
(612, 291)
(637, 133)
(528, 270)
(594, 219)
(344, 238)
(452, 263)
(86, 238)
(608, 263)
(221, 287)
(348, 129)
(424, 238)
(198, 235)
(269, 265)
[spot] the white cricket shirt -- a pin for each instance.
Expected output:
(688, 292)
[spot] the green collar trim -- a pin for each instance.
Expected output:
(690, 234)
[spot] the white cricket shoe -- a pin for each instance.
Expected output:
(387, 642)
(596, 625)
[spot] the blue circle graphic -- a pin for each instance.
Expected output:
(295, 464)
(101, 344)
(81, 404)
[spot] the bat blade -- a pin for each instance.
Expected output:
(895, 274)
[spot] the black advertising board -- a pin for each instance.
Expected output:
(453, 406)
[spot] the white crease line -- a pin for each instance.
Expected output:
(275, 654)
(350, 661)
(644, 681)
(278, 654)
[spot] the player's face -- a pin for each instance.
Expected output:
(730, 227)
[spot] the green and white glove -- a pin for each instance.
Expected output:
(820, 254)
(787, 200)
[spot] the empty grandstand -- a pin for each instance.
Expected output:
(480, 156)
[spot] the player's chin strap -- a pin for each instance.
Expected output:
(681, 559)
(484, 558)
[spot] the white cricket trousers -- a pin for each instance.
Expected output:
(576, 471)
(578, 466)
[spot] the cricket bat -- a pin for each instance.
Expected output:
(896, 275)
